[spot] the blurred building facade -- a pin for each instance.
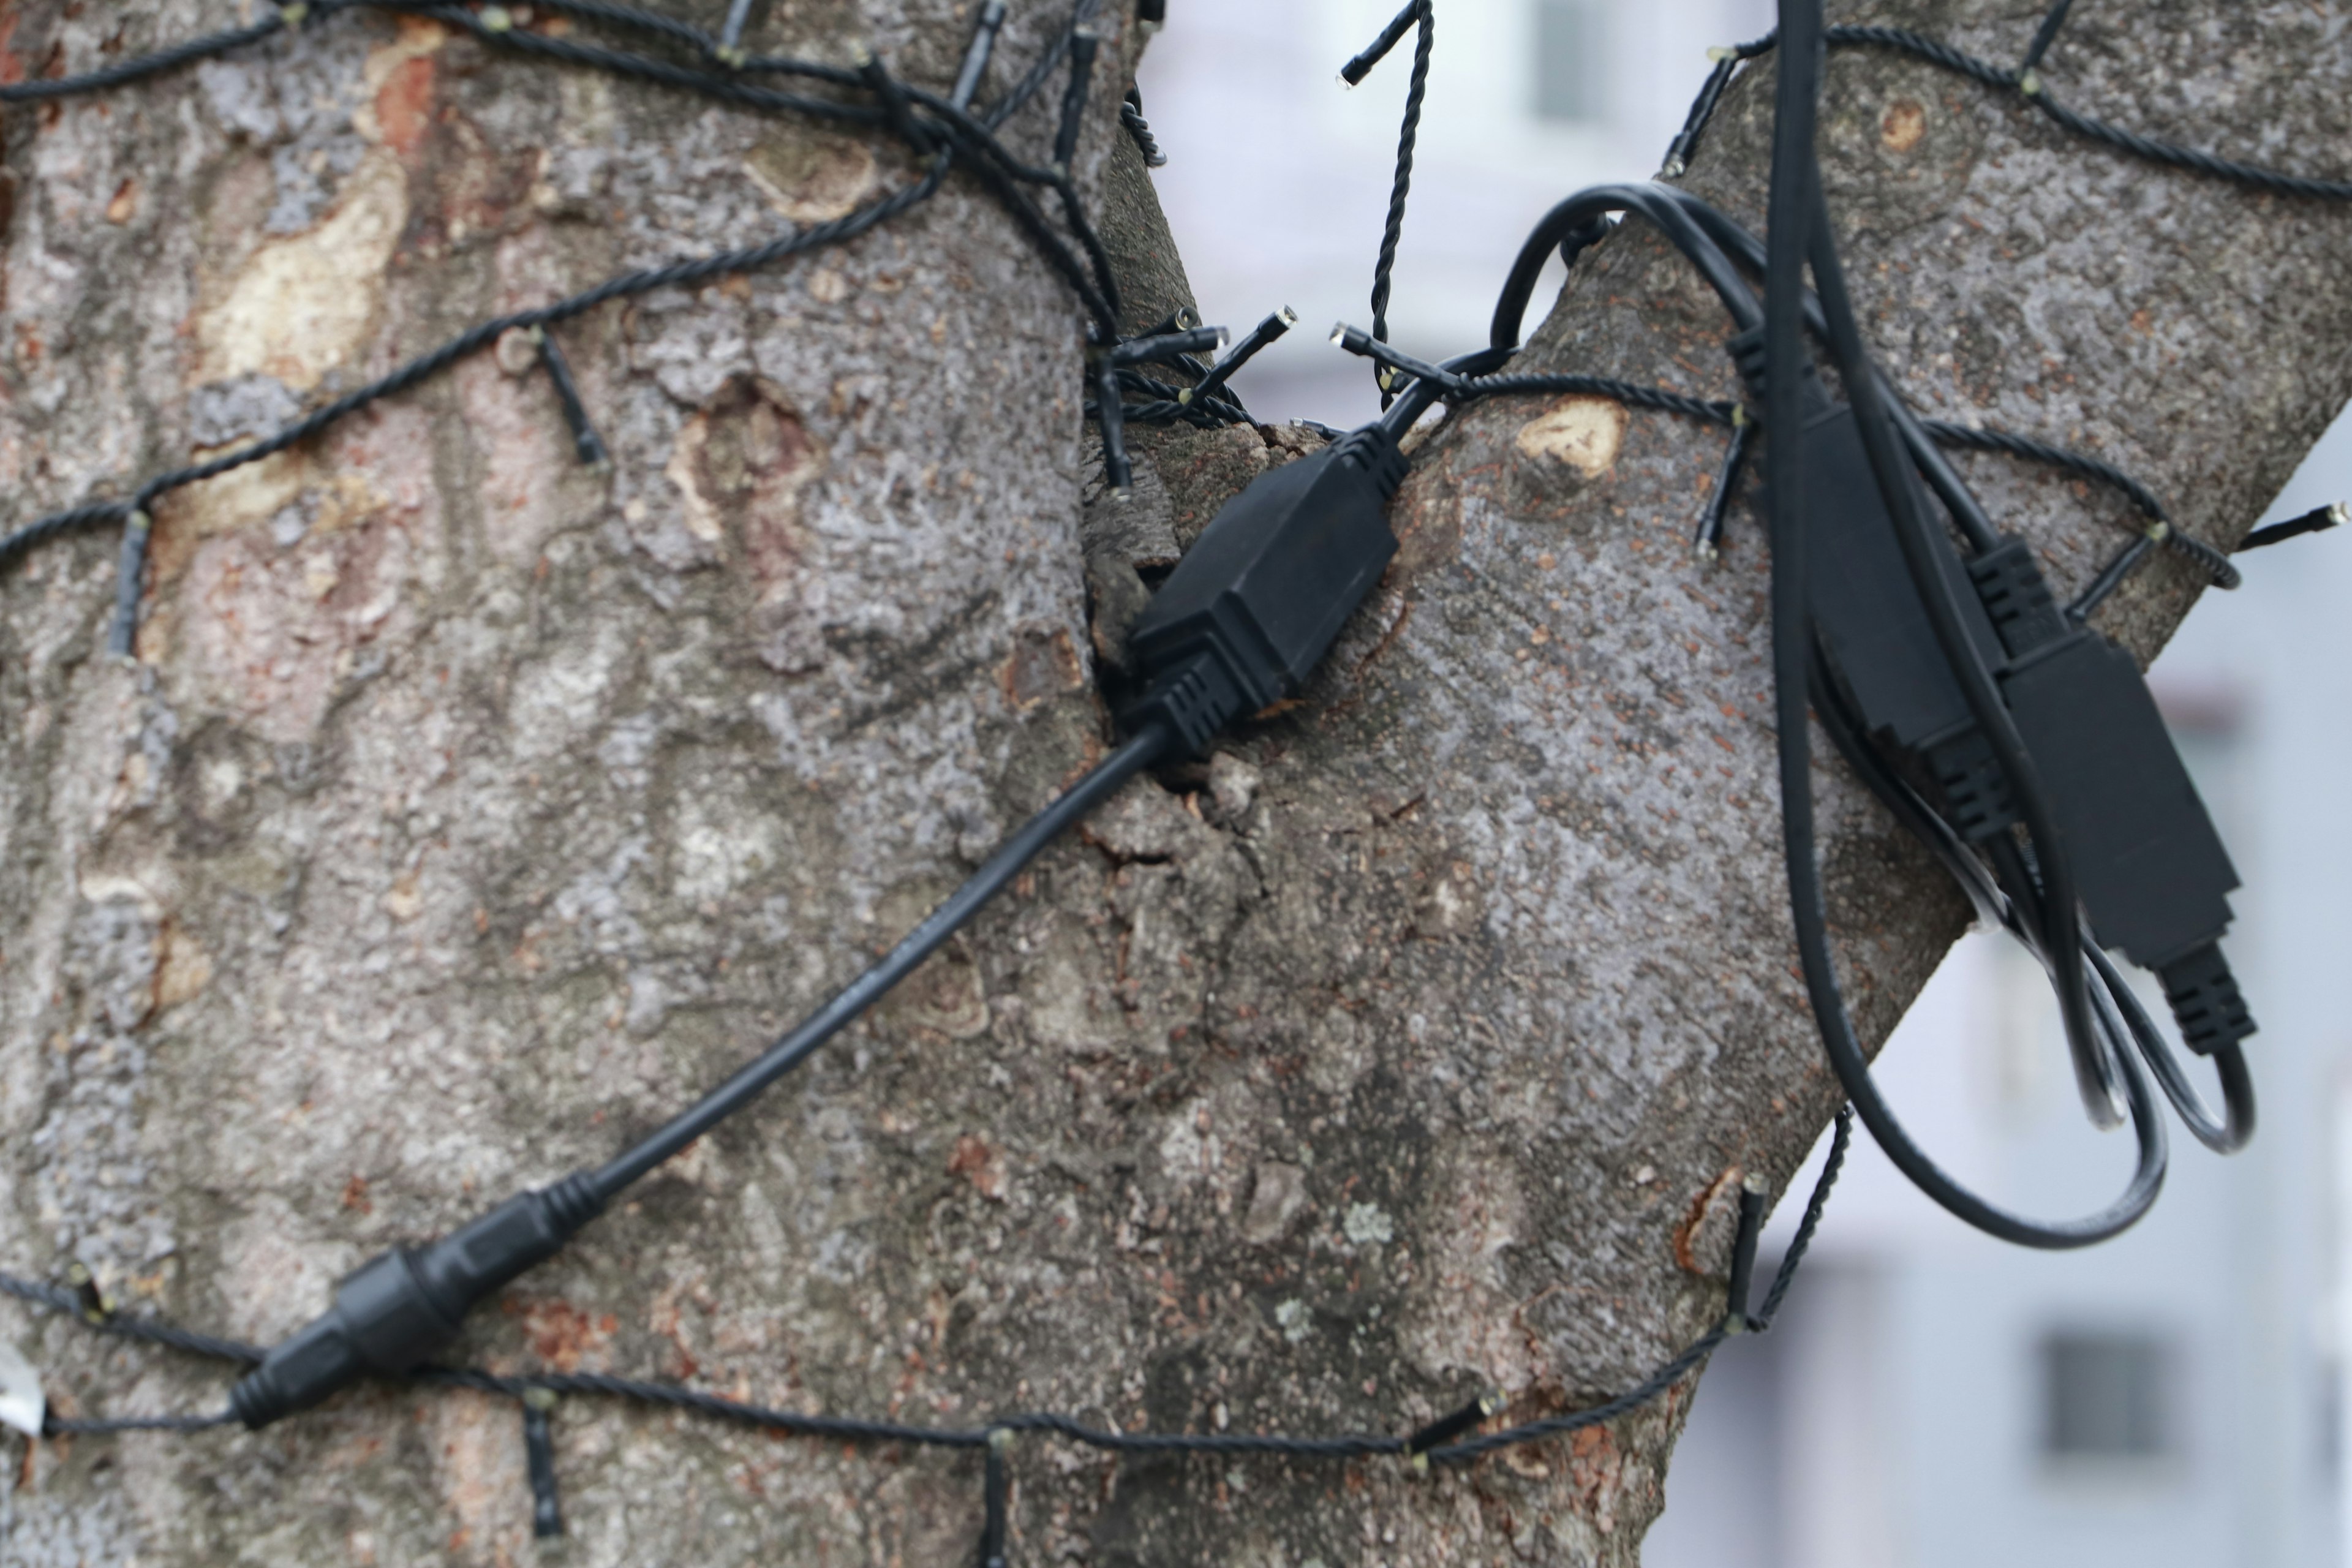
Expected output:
(1931, 1398)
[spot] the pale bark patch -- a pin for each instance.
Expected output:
(300, 307)
(185, 970)
(811, 177)
(745, 457)
(1584, 433)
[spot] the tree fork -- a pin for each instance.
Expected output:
(469, 807)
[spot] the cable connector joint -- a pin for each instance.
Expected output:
(397, 1308)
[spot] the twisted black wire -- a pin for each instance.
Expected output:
(1407, 134)
(1139, 129)
(1992, 439)
(995, 167)
(2191, 158)
(1632, 394)
(1341, 1445)
(1761, 1319)
(145, 66)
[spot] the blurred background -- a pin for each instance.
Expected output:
(1930, 1397)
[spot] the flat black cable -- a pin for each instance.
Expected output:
(1791, 198)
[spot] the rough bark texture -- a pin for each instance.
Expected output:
(467, 810)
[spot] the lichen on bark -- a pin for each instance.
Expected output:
(467, 809)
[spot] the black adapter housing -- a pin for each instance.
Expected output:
(2153, 875)
(1867, 611)
(1254, 604)
(392, 1312)
(2148, 867)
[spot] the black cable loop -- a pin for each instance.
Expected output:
(1796, 208)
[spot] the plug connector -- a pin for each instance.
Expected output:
(397, 1308)
(2151, 871)
(1248, 614)
(2205, 1003)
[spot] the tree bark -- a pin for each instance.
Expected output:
(467, 809)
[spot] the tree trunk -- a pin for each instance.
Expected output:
(468, 809)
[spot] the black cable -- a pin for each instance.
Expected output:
(1897, 484)
(1795, 214)
(1139, 129)
(2311, 521)
(989, 160)
(1783, 1276)
(2026, 81)
(2044, 35)
(1102, 781)
(155, 64)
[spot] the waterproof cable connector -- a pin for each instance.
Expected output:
(1252, 609)
(1446, 1428)
(2317, 518)
(1240, 354)
(976, 55)
(585, 442)
(538, 1452)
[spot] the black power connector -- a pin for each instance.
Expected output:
(1250, 611)
(2153, 877)
(2150, 868)
(1239, 624)
(1866, 607)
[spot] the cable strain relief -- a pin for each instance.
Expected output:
(573, 1202)
(2205, 1000)
(2017, 597)
(1194, 699)
(1373, 450)
(1974, 788)
(1747, 351)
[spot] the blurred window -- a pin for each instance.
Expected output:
(2105, 1396)
(1570, 35)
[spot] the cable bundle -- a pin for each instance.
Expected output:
(2018, 745)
